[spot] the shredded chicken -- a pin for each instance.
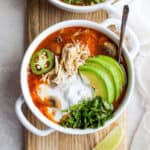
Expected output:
(73, 55)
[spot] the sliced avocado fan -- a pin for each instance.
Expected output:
(99, 80)
(115, 72)
(105, 75)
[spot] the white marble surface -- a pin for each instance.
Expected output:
(12, 25)
(11, 49)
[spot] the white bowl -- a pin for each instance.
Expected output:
(79, 9)
(28, 99)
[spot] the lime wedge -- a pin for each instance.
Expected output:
(112, 140)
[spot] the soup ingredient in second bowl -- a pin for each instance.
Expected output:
(83, 2)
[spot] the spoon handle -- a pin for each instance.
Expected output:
(123, 27)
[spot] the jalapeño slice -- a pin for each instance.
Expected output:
(42, 61)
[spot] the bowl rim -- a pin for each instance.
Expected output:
(81, 9)
(31, 49)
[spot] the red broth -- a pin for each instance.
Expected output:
(55, 42)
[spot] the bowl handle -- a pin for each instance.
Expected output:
(132, 40)
(26, 123)
(118, 3)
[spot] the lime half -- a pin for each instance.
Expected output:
(112, 140)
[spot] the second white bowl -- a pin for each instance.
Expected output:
(79, 9)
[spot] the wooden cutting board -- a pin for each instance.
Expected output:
(40, 15)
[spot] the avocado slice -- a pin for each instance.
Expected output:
(108, 78)
(111, 71)
(99, 80)
(118, 68)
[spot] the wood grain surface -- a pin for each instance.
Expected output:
(40, 15)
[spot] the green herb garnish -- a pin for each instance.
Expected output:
(88, 114)
(83, 2)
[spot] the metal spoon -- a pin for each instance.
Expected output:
(123, 27)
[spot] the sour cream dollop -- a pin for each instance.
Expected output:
(69, 92)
